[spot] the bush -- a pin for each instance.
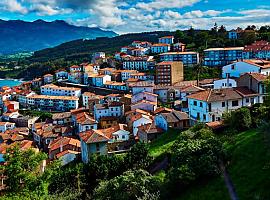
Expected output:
(132, 185)
(239, 120)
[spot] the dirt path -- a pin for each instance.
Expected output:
(229, 183)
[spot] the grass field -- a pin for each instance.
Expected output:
(249, 170)
(163, 143)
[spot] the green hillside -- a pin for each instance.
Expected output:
(249, 170)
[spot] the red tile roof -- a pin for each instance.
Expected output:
(92, 136)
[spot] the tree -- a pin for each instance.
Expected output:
(222, 29)
(138, 157)
(23, 170)
(179, 35)
(239, 120)
(131, 185)
(195, 154)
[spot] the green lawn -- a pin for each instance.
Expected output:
(163, 143)
(249, 170)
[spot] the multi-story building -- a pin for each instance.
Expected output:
(139, 63)
(112, 109)
(125, 74)
(209, 105)
(98, 80)
(245, 66)
(59, 103)
(188, 58)
(179, 47)
(222, 56)
(54, 90)
(90, 99)
(142, 76)
(115, 85)
(139, 51)
(160, 48)
(168, 73)
(258, 49)
(48, 78)
(166, 40)
(255, 82)
(61, 74)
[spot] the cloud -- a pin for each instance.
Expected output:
(13, 6)
(161, 4)
(141, 15)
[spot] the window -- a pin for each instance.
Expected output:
(223, 104)
(204, 117)
(201, 105)
(209, 107)
(247, 100)
(233, 67)
(234, 103)
(198, 116)
(195, 103)
(97, 146)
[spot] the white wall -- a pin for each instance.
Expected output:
(239, 68)
(225, 83)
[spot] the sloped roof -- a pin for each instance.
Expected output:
(212, 95)
(92, 136)
(150, 128)
(56, 144)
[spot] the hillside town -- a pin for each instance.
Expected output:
(98, 110)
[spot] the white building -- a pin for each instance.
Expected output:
(48, 78)
(62, 74)
(112, 109)
(54, 90)
(142, 86)
(98, 80)
(139, 121)
(139, 63)
(126, 74)
(59, 103)
(4, 126)
(166, 40)
(225, 83)
(236, 69)
(209, 105)
(99, 55)
(160, 48)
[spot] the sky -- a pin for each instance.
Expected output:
(125, 16)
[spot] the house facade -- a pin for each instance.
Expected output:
(222, 56)
(209, 105)
(246, 66)
(188, 58)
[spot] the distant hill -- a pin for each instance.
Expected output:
(84, 48)
(18, 36)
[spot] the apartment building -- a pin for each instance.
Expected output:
(54, 90)
(59, 103)
(188, 58)
(258, 49)
(112, 109)
(166, 40)
(169, 72)
(222, 56)
(160, 48)
(139, 63)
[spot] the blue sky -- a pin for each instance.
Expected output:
(123, 16)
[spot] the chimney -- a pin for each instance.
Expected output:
(61, 146)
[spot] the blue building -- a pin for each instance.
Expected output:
(222, 56)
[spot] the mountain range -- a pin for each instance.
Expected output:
(21, 36)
